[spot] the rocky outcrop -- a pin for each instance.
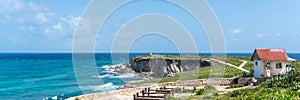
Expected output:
(159, 67)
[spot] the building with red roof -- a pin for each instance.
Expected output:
(270, 62)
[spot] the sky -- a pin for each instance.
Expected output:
(46, 26)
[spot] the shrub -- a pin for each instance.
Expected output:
(200, 92)
(235, 86)
(246, 74)
(235, 93)
(261, 93)
(290, 81)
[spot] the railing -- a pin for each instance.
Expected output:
(157, 94)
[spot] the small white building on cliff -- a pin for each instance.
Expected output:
(270, 62)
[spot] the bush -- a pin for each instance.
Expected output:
(235, 93)
(208, 89)
(290, 81)
(261, 93)
(235, 86)
(200, 92)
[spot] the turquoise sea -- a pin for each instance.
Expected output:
(34, 76)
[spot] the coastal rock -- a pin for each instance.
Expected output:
(162, 67)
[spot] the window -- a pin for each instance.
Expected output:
(256, 63)
(278, 65)
(267, 65)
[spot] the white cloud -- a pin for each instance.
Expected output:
(9, 6)
(278, 34)
(58, 27)
(295, 33)
(30, 12)
(47, 30)
(41, 18)
(73, 21)
(260, 35)
(37, 7)
(235, 31)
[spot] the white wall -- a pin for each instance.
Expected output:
(277, 71)
(258, 70)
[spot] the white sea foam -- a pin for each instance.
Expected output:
(136, 81)
(110, 68)
(55, 97)
(104, 87)
(127, 75)
(102, 76)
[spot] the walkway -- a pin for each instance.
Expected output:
(237, 67)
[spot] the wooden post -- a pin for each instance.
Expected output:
(137, 94)
(195, 89)
(143, 91)
(148, 90)
(134, 97)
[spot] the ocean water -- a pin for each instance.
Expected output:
(46, 76)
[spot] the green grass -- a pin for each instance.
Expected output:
(260, 94)
(248, 66)
(216, 72)
(202, 73)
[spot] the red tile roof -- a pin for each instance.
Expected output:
(271, 54)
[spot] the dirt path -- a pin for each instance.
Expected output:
(237, 67)
(243, 64)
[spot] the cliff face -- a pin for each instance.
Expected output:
(162, 67)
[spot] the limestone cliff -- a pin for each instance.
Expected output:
(159, 67)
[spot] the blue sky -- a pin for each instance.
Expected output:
(48, 25)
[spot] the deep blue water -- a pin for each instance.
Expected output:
(39, 76)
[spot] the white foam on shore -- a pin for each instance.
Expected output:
(127, 75)
(102, 76)
(105, 87)
(110, 68)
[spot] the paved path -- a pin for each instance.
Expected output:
(237, 67)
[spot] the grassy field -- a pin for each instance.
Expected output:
(234, 60)
(248, 66)
(216, 71)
